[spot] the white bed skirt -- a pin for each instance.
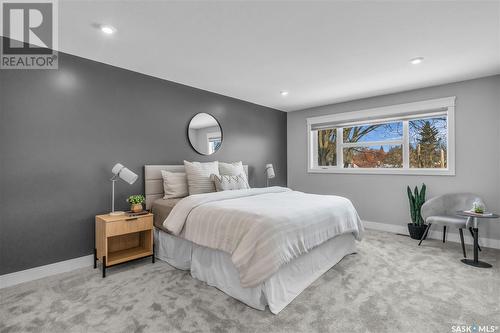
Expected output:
(216, 269)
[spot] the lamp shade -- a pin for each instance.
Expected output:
(270, 171)
(124, 173)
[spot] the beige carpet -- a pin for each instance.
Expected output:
(391, 285)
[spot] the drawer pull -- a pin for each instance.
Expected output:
(132, 219)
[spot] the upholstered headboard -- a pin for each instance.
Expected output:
(153, 182)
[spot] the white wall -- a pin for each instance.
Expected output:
(203, 139)
(382, 198)
(198, 137)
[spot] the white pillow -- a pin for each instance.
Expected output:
(174, 184)
(232, 169)
(226, 182)
(198, 176)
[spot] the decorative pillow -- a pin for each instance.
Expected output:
(174, 184)
(232, 169)
(198, 176)
(226, 182)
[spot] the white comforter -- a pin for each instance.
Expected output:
(262, 228)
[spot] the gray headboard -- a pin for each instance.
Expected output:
(153, 182)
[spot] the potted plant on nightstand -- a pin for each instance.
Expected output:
(136, 202)
(417, 199)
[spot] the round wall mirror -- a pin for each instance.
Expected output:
(205, 134)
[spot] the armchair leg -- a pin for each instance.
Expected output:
(444, 234)
(472, 233)
(427, 231)
(462, 241)
(424, 236)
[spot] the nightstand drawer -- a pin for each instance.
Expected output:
(129, 225)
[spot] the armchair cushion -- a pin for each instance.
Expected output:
(447, 220)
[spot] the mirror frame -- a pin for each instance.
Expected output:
(221, 134)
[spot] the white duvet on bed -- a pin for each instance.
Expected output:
(262, 228)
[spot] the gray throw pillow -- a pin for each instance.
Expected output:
(226, 182)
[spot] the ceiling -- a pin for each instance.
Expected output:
(320, 52)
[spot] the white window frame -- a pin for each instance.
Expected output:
(401, 112)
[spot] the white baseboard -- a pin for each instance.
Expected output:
(435, 233)
(39, 272)
(31, 274)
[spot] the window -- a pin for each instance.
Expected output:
(428, 142)
(214, 141)
(413, 138)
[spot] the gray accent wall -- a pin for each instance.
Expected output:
(62, 130)
(382, 198)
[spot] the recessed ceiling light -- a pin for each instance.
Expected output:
(284, 93)
(417, 60)
(108, 30)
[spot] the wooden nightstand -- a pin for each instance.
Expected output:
(122, 238)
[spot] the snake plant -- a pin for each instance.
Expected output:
(416, 199)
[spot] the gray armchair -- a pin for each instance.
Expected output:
(442, 210)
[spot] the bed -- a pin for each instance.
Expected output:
(239, 242)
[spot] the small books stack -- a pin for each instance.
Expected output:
(131, 213)
(478, 214)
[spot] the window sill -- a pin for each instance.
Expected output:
(381, 171)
